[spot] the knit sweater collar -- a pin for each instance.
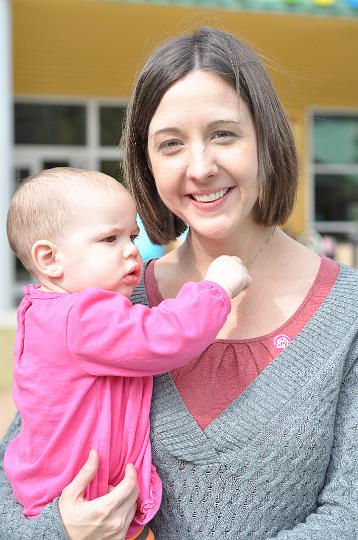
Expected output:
(308, 356)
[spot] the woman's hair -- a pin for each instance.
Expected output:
(41, 209)
(218, 52)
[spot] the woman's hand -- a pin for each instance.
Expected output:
(104, 518)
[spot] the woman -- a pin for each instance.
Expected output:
(257, 438)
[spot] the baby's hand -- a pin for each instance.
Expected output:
(230, 273)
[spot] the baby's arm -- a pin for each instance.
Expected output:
(107, 335)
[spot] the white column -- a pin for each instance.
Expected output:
(6, 141)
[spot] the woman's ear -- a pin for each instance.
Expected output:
(45, 256)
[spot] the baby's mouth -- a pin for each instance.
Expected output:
(133, 273)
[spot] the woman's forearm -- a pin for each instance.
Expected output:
(330, 524)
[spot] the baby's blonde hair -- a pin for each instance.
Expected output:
(40, 208)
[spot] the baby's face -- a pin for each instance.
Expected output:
(99, 251)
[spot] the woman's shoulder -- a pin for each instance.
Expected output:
(347, 282)
(340, 308)
(349, 270)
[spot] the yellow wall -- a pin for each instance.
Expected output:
(93, 48)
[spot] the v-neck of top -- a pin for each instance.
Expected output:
(210, 382)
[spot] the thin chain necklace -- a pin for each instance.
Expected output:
(250, 261)
(247, 264)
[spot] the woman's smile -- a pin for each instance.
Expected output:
(210, 200)
(210, 197)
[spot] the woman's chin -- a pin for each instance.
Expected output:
(212, 232)
(222, 227)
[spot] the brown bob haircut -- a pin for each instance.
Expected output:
(213, 50)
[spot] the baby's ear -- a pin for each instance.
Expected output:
(45, 256)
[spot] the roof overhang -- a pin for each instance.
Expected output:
(323, 8)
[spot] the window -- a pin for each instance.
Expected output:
(335, 172)
(50, 124)
(335, 181)
(111, 122)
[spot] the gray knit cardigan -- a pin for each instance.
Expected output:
(281, 462)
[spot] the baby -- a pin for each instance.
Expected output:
(84, 355)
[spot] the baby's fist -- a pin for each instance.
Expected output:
(230, 273)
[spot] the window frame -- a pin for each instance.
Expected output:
(348, 228)
(91, 153)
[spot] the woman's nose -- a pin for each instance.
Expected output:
(201, 164)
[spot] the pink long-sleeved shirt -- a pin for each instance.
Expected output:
(83, 379)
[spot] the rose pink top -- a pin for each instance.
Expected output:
(232, 364)
(83, 379)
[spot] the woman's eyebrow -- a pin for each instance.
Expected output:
(169, 129)
(218, 123)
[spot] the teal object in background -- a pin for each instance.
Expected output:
(147, 249)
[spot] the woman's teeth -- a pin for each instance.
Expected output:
(209, 197)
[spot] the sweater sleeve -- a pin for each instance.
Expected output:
(13, 524)
(336, 516)
(107, 335)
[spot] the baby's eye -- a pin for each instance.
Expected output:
(110, 239)
(134, 237)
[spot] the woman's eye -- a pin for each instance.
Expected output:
(223, 134)
(169, 146)
(110, 239)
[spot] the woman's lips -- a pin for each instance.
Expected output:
(210, 196)
(211, 205)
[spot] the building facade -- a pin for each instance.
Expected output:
(74, 62)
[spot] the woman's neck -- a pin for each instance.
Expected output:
(281, 259)
(250, 247)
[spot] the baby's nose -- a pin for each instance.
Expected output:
(131, 250)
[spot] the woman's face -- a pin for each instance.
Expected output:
(203, 155)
